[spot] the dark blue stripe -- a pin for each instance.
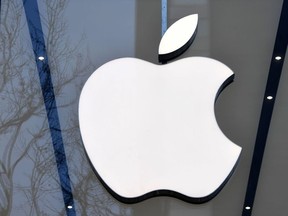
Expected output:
(38, 43)
(274, 76)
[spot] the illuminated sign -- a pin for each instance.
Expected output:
(151, 130)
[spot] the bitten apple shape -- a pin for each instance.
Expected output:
(151, 130)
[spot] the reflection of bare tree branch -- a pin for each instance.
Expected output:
(28, 176)
(25, 138)
(8, 39)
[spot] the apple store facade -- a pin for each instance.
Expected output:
(50, 48)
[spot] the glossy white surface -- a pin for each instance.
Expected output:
(178, 34)
(147, 127)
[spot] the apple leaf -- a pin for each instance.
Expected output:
(178, 37)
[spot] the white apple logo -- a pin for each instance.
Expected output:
(150, 130)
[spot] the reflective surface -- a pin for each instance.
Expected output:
(80, 37)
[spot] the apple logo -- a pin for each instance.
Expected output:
(150, 130)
